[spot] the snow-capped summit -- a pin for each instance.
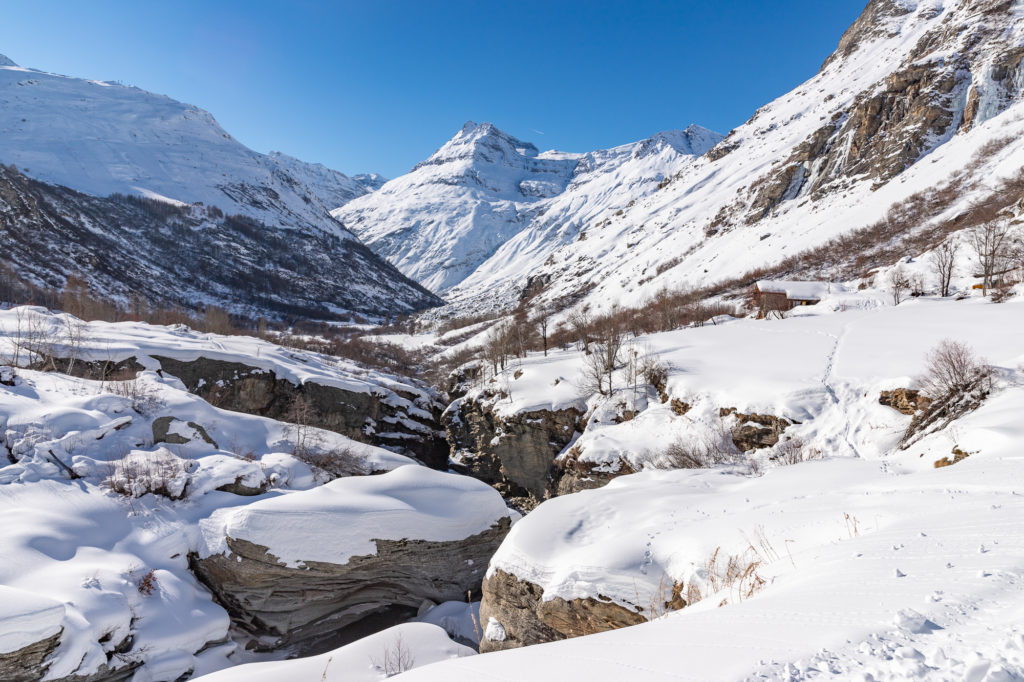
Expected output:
(441, 220)
(5, 61)
(693, 140)
(373, 181)
(482, 142)
(485, 189)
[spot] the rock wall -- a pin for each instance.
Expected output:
(239, 387)
(515, 454)
(301, 606)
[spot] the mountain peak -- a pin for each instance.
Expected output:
(693, 140)
(4, 61)
(483, 141)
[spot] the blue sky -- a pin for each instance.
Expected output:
(378, 85)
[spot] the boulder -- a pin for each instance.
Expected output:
(297, 568)
(905, 400)
(755, 431)
(516, 614)
(177, 432)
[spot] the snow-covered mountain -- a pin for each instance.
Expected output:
(483, 188)
(918, 95)
(101, 138)
(223, 224)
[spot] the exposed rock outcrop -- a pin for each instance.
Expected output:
(515, 453)
(300, 606)
(177, 432)
(573, 475)
(755, 431)
(905, 400)
(30, 662)
(526, 618)
(368, 417)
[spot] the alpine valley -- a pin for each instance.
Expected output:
(702, 406)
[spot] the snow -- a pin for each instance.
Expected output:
(75, 552)
(116, 341)
(877, 565)
(361, 661)
(28, 618)
(797, 291)
(410, 502)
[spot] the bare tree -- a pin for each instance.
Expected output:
(943, 260)
(543, 321)
(581, 323)
(991, 244)
(899, 282)
(607, 336)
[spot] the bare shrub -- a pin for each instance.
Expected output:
(147, 583)
(336, 462)
(793, 450)
(396, 658)
(144, 398)
(711, 449)
(953, 368)
(142, 473)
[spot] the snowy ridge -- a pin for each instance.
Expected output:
(484, 188)
(100, 138)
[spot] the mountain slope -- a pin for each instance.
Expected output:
(484, 190)
(216, 223)
(191, 255)
(101, 138)
(604, 183)
(917, 97)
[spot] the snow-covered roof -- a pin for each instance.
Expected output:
(796, 290)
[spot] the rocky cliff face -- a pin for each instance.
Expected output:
(516, 454)
(910, 81)
(301, 606)
(406, 422)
